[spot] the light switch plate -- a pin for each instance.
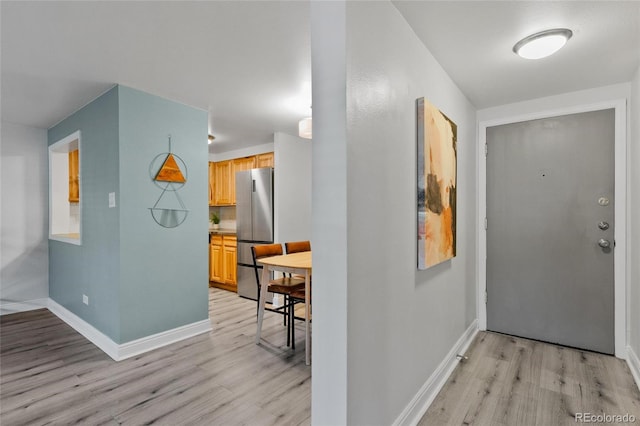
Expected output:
(85, 299)
(112, 199)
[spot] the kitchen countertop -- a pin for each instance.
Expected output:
(222, 231)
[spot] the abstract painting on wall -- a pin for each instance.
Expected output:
(437, 169)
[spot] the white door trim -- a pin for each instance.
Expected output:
(620, 232)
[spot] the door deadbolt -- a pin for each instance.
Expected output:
(603, 225)
(604, 243)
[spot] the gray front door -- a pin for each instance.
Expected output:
(550, 211)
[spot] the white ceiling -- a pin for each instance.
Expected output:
(473, 42)
(249, 63)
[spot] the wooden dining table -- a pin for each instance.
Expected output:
(294, 263)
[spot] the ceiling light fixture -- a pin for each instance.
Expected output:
(542, 44)
(305, 128)
(211, 138)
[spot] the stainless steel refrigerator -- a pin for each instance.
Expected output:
(254, 220)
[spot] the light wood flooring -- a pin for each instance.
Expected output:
(509, 381)
(50, 374)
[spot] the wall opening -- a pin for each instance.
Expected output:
(65, 200)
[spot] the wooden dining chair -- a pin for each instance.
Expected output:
(296, 296)
(297, 246)
(284, 285)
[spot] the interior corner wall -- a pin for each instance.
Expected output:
(402, 322)
(163, 271)
(634, 217)
(93, 268)
(24, 251)
(292, 188)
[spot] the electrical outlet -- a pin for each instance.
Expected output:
(112, 200)
(85, 299)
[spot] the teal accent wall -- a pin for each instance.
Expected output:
(141, 278)
(94, 267)
(164, 271)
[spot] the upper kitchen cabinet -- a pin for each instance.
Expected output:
(222, 176)
(74, 177)
(212, 179)
(264, 160)
(222, 184)
(240, 164)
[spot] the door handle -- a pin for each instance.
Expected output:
(604, 243)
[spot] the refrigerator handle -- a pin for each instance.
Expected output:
(253, 185)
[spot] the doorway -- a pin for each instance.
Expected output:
(550, 229)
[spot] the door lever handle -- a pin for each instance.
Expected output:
(604, 243)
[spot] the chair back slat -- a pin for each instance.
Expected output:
(266, 250)
(297, 246)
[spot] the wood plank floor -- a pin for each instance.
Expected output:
(51, 375)
(510, 381)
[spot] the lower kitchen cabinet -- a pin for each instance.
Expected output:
(230, 259)
(215, 258)
(223, 262)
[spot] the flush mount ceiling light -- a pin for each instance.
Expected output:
(305, 128)
(542, 44)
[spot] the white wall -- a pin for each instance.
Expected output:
(329, 216)
(558, 102)
(401, 322)
(634, 217)
(292, 188)
(24, 257)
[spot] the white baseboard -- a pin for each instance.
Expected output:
(92, 334)
(118, 352)
(414, 411)
(634, 365)
(28, 305)
(149, 343)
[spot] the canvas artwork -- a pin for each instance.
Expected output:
(437, 169)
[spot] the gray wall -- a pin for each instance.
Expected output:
(94, 267)
(164, 271)
(141, 278)
(292, 188)
(24, 250)
(400, 322)
(634, 217)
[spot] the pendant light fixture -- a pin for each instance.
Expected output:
(543, 43)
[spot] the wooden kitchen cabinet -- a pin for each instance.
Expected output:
(264, 160)
(215, 258)
(74, 176)
(240, 164)
(222, 184)
(230, 259)
(212, 179)
(223, 259)
(222, 176)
